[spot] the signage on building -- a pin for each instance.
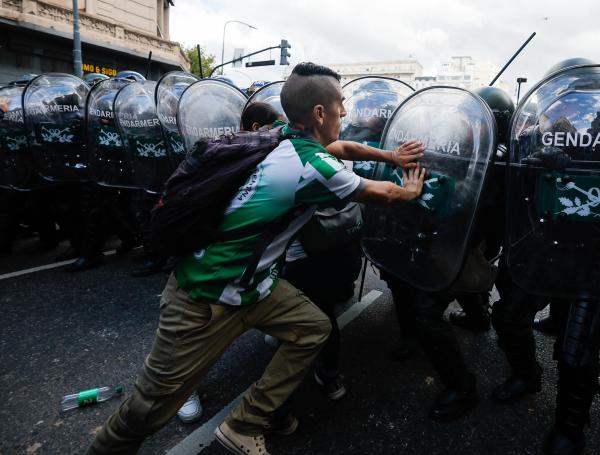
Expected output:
(90, 68)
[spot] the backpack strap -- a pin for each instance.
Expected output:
(267, 236)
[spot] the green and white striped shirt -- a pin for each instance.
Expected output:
(298, 173)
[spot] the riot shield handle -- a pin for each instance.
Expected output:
(512, 58)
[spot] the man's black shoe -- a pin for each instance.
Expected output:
(149, 267)
(474, 323)
(557, 443)
(453, 404)
(514, 388)
(84, 263)
(547, 324)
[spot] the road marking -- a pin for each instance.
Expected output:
(45, 267)
(204, 435)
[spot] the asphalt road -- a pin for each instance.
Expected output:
(62, 333)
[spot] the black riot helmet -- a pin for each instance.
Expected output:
(24, 79)
(502, 106)
(94, 78)
(575, 61)
(131, 75)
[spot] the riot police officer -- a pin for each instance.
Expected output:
(429, 253)
(513, 313)
(555, 129)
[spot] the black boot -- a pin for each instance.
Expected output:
(475, 314)
(453, 403)
(514, 388)
(149, 267)
(547, 324)
(84, 263)
(576, 389)
(470, 322)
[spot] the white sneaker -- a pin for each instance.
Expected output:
(272, 341)
(191, 410)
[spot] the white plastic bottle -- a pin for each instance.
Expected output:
(89, 397)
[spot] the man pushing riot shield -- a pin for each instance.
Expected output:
(553, 231)
(169, 89)
(54, 106)
(208, 109)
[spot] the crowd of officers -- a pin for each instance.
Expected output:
(84, 214)
(87, 215)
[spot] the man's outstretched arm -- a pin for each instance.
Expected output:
(405, 155)
(384, 193)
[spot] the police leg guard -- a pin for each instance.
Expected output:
(577, 355)
(438, 340)
(512, 318)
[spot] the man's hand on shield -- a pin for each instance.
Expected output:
(408, 154)
(413, 180)
(3, 105)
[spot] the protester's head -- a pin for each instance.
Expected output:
(257, 115)
(312, 100)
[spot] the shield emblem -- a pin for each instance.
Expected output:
(54, 107)
(209, 109)
(553, 217)
(424, 242)
(370, 102)
(138, 123)
(109, 162)
(169, 89)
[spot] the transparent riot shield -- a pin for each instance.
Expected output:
(137, 121)
(370, 102)
(17, 166)
(208, 109)
(109, 162)
(424, 242)
(54, 107)
(168, 91)
(269, 94)
(553, 217)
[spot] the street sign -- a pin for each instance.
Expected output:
(260, 63)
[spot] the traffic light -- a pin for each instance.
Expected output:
(283, 60)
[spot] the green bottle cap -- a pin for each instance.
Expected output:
(119, 388)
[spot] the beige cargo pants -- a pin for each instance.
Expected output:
(191, 336)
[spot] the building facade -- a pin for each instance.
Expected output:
(37, 37)
(464, 72)
(405, 70)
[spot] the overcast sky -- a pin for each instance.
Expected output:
(431, 31)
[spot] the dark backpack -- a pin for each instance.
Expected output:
(193, 203)
(331, 228)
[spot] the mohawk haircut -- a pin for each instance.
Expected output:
(312, 69)
(308, 86)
